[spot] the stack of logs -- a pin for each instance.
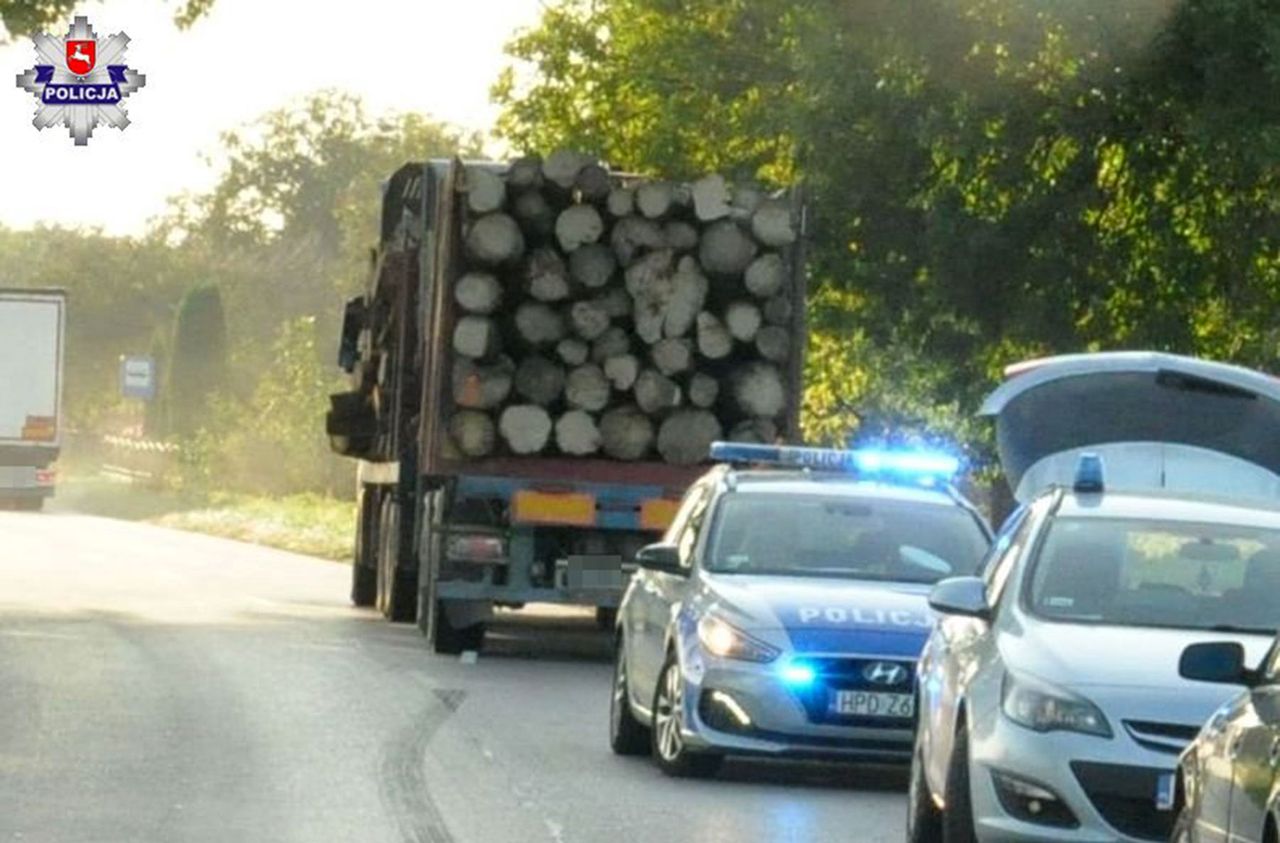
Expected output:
(598, 315)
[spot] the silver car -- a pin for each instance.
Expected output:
(1051, 706)
(783, 615)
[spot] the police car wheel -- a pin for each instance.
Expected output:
(627, 735)
(957, 819)
(924, 820)
(669, 750)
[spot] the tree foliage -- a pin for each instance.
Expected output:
(990, 179)
(24, 17)
(197, 365)
(283, 235)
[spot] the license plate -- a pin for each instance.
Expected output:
(872, 704)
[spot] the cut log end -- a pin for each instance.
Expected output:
(475, 337)
(486, 191)
(577, 433)
(587, 388)
(538, 324)
(772, 224)
(726, 250)
(766, 275)
(593, 265)
(478, 292)
(578, 225)
(655, 392)
(526, 428)
(714, 340)
(774, 343)
(481, 387)
(495, 240)
(654, 199)
(472, 433)
(539, 380)
(743, 320)
(703, 390)
(685, 437)
(758, 390)
(626, 433)
(572, 351)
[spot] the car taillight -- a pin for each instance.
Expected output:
(46, 476)
(476, 549)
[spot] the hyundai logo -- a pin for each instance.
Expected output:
(884, 673)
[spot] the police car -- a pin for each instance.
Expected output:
(785, 608)
(1051, 705)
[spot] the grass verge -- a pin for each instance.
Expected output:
(306, 523)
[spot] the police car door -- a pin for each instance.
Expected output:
(660, 593)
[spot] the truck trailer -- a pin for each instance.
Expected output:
(452, 523)
(32, 325)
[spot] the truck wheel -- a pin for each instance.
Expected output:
(669, 749)
(627, 735)
(364, 573)
(606, 618)
(397, 590)
(451, 640)
(364, 586)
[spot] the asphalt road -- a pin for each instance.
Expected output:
(162, 686)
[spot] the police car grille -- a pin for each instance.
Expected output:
(851, 674)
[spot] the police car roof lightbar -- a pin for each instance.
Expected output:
(919, 464)
(1090, 477)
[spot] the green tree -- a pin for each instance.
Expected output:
(989, 179)
(198, 366)
(24, 17)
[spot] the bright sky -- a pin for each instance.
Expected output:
(248, 57)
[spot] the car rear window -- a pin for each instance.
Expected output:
(1140, 572)
(834, 536)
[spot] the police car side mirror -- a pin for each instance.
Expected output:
(961, 596)
(660, 557)
(1220, 662)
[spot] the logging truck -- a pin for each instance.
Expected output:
(542, 356)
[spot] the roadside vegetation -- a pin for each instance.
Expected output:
(989, 180)
(308, 523)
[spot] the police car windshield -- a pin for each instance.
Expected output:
(833, 536)
(1139, 572)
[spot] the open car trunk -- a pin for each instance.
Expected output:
(1159, 421)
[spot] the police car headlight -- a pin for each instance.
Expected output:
(728, 642)
(1043, 707)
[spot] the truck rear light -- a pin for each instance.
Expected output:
(484, 549)
(46, 476)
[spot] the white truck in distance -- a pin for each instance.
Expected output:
(32, 325)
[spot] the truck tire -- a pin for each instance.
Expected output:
(450, 640)
(364, 571)
(397, 589)
(606, 618)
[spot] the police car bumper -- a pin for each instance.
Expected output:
(743, 708)
(1060, 786)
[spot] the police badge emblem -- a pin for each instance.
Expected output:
(79, 85)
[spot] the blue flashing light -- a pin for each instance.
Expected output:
(798, 674)
(1090, 475)
(923, 466)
